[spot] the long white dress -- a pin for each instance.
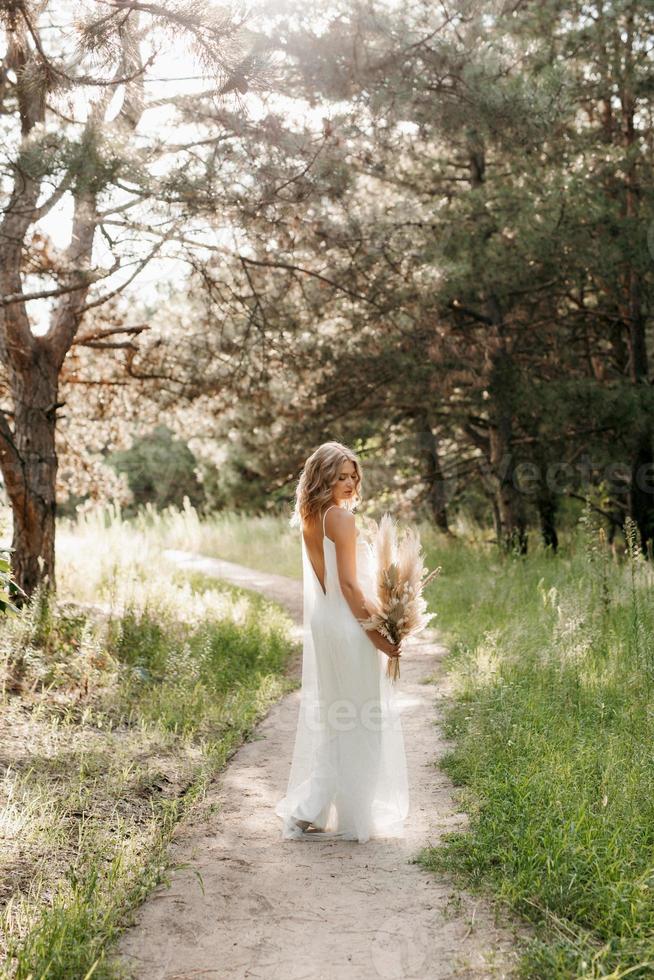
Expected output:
(348, 773)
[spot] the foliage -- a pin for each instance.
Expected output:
(160, 470)
(552, 725)
(121, 710)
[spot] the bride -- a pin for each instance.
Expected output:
(348, 776)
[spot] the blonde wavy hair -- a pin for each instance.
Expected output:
(319, 474)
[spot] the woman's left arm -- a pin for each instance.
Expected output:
(346, 563)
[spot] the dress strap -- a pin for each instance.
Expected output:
(323, 518)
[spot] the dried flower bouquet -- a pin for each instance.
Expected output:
(400, 607)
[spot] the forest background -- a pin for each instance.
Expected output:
(423, 229)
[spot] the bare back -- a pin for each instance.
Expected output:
(313, 540)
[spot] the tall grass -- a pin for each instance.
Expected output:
(118, 704)
(93, 548)
(127, 711)
(553, 723)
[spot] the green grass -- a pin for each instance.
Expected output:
(553, 729)
(122, 714)
(114, 718)
(92, 547)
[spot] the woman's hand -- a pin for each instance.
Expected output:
(380, 641)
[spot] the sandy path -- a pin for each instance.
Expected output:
(247, 904)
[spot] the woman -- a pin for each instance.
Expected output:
(348, 775)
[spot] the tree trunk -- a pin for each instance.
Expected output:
(497, 523)
(31, 484)
(512, 533)
(501, 390)
(547, 507)
(428, 446)
(641, 500)
(547, 499)
(437, 499)
(499, 368)
(27, 446)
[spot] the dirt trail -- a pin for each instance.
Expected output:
(244, 903)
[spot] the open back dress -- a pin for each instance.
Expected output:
(348, 772)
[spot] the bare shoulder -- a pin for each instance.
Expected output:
(340, 523)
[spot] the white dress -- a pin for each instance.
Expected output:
(348, 772)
